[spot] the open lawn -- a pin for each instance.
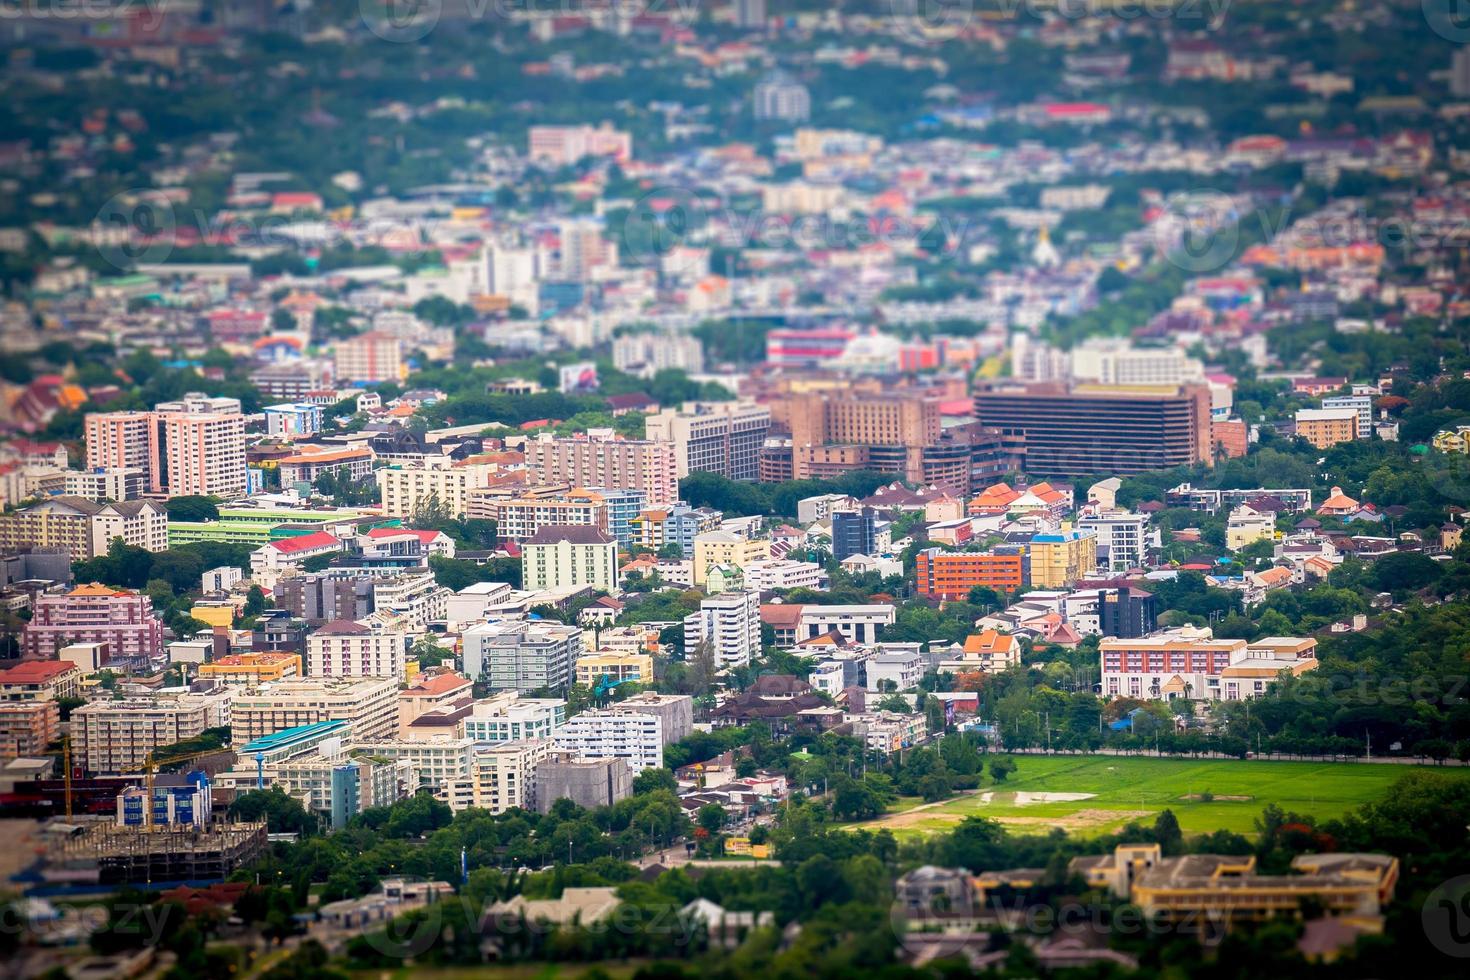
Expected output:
(1098, 794)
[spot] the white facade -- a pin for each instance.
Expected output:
(446, 766)
(349, 650)
(631, 735)
(857, 624)
(1123, 533)
(505, 774)
(140, 523)
(571, 560)
(405, 489)
(730, 623)
(510, 718)
(521, 656)
(780, 574)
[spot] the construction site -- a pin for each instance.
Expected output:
(104, 853)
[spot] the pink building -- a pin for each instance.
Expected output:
(94, 613)
(180, 453)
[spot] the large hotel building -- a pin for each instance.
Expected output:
(634, 464)
(1087, 429)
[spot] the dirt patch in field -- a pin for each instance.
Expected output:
(1074, 822)
(926, 819)
(1216, 798)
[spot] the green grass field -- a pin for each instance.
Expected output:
(1110, 791)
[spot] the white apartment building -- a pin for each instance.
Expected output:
(899, 669)
(562, 557)
(140, 523)
(508, 717)
(117, 483)
(634, 736)
(315, 778)
(521, 655)
(731, 623)
(505, 774)
(1108, 361)
(347, 649)
(519, 518)
(370, 704)
(118, 736)
(654, 352)
(410, 602)
(778, 574)
(1124, 534)
(406, 489)
(446, 766)
(1362, 404)
(714, 437)
(857, 624)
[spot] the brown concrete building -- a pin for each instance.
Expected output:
(1087, 429)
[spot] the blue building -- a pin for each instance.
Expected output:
(852, 533)
(178, 800)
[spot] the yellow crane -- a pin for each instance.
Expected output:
(148, 768)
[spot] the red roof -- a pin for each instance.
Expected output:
(306, 542)
(427, 537)
(36, 671)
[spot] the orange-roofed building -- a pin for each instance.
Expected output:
(253, 668)
(95, 613)
(991, 651)
(994, 499)
(430, 692)
(1338, 504)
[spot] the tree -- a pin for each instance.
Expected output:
(281, 813)
(1167, 833)
(712, 817)
(192, 507)
(1001, 768)
(653, 780)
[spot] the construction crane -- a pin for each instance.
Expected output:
(148, 768)
(604, 689)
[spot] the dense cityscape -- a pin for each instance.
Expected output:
(663, 489)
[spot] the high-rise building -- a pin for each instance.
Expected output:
(370, 704)
(439, 482)
(119, 736)
(634, 464)
(1362, 404)
(347, 649)
(952, 574)
(730, 623)
(562, 146)
(714, 437)
(180, 447)
(1109, 361)
(852, 533)
(1122, 535)
(523, 655)
(370, 358)
(633, 736)
(204, 454)
(1059, 558)
(122, 619)
(558, 557)
(1326, 427)
(656, 528)
(782, 98)
(750, 14)
(1091, 429)
(656, 352)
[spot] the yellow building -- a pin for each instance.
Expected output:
(214, 613)
(1247, 525)
(592, 668)
(1059, 558)
(725, 548)
(1226, 888)
(1326, 427)
(252, 668)
(1456, 440)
